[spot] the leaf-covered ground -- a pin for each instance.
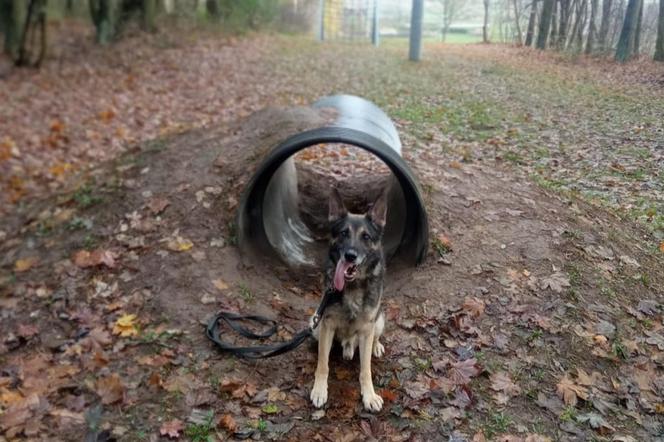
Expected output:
(538, 314)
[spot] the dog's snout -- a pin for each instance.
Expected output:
(350, 255)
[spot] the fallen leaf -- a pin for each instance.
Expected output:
(25, 264)
(387, 395)
(125, 326)
(416, 389)
(84, 258)
(444, 241)
(661, 247)
(270, 409)
(172, 429)
(237, 388)
(501, 381)
(474, 306)
(27, 331)
(179, 244)
(220, 284)
(208, 298)
(155, 380)
(555, 282)
(462, 372)
(110, 389)
(479, 437)
(586, 379)
(569, 392)
(158, 205)
(107, 115)
(228, 423)
(596, 421)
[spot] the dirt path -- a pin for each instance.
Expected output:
(536, 316)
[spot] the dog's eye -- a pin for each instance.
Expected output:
(344, 233)
(366, 236)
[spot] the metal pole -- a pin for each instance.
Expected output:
(375, 31)
(321, 23)
(416, 30)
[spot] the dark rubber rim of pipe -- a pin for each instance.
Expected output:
(250, 223)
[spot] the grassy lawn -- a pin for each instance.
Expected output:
(565, 126)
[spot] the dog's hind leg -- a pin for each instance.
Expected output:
(370, 399)
(378, 349)
(349, 346)
(319, 391)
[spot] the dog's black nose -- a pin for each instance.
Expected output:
(350, 256)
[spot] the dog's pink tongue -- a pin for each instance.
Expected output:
(339, 279)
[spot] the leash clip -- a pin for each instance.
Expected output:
(315, 319)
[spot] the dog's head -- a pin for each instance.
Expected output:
(356, 239)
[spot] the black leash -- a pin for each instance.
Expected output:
(213, 332)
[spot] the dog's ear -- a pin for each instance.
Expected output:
(378, 212)
(337, 208)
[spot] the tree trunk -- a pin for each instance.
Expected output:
(149, 11)
(213, 9)
(485, 28)
(545, 24)
(554, 23)
(531, 24)
(104, 17)
(659, 46)
(616, 24)
(590, 43)
(564, 24)
(637, 31)
(519, 35)
(13, 14)
(604, 27)
(582, 13)
(625, 47)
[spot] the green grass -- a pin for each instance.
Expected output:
(498, 423)
(203, 432)
(86, 197)
(568, 414)
(245, 293)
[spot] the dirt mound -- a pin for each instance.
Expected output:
(524, 295)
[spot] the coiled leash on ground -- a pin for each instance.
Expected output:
(213, 333)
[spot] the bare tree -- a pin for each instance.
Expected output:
(579, 24)
(592, 28)
(554, 23)
(659, 46)
(637, 31)
(451, 9)
(485, 28)
(625, 48)
(13, 14)
(517, 13)
(604, 27)
(565, 13)
(545, 24)
(530, 32)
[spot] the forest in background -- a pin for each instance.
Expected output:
(622, 29)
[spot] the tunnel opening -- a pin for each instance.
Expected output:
(360, 176)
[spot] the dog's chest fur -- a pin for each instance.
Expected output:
(357, 311)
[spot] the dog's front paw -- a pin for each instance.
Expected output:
(378, 349)
(372, 402)
(319, 395)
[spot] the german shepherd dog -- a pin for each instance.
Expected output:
(355, 267)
